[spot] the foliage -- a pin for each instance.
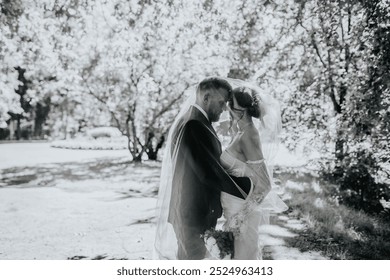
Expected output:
(342, 93)
(339, 232)
(130, 61)
(9, 57)
(358, 188)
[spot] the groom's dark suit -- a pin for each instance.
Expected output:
(197, 183)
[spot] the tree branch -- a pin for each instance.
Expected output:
(314, 43)
(101, 100)
(165, 109)
(332, 94)
(341, 24)
(349, 16)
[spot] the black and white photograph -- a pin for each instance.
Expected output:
(194, 130)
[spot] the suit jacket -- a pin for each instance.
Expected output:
(198, 176)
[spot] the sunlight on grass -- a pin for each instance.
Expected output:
(338, 231)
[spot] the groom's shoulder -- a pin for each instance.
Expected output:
(193, 124)
(196, 114)
(193, 120)
(193, 115)
(188, 124)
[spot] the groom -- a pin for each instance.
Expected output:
(199, 177)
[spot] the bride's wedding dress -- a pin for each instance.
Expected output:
(248, 245)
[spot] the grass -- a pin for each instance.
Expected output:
(336, 230)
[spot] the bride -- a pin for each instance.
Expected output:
(250, 114)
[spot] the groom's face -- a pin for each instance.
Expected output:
(216, 104)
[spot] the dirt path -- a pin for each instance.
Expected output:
(274, 239)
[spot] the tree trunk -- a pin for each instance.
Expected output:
(12, 129)
(136, 157)
(41, 113)
(152, 155)
(153, 152)
(18, 130)
(339, 153)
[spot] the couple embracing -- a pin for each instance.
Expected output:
(201, 182)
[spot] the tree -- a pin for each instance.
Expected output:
(9, 101)
(144, 59)
(342, 95)
(374, 126)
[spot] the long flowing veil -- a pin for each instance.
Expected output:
(165, 245)
(269, 126)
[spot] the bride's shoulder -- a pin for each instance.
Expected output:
(251, 135)
(251, 146)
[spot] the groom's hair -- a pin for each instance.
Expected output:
(214, 83)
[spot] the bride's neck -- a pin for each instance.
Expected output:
(244, 122)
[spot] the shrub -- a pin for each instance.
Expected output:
(358, 188)
(104, 132)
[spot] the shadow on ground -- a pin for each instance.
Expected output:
(103, 169)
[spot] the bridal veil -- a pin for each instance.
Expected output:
(269, 126)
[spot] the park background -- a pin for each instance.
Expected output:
(89, 89)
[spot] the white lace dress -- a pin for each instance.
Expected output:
(248, 245)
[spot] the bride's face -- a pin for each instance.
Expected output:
(235, 110)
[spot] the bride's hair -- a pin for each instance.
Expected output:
(247, 99)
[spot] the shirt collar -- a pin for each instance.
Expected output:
(202, 111)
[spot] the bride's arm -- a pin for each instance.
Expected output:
(251, 148)
(258, 173)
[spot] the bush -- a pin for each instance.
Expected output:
(4, 133)
(358, 188)
(104, 132)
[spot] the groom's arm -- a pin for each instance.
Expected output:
(244, 183)
(199, 153)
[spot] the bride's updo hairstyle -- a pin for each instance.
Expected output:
(247, 99)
